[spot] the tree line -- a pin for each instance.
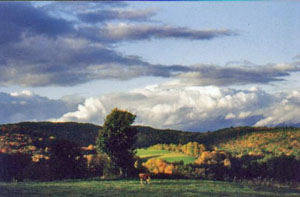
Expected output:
(115, 156)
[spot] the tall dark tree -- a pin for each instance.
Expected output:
(12, 166)
(116, 139)
(66, 160)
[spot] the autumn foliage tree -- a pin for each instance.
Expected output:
(116, 139)
(160, 166)
(191, 148)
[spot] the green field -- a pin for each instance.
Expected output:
(165, 155)
(133, 188)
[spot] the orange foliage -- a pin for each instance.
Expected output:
(89, 158)
(191, 148)
(214, 157)
(89, 148)
(227, 163)
(38, 157)
(280, 142)
(159, 166)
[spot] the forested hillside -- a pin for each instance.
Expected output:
(81, 133)
(227, 154)
(270, 143)
(84, 134)
(261, 154)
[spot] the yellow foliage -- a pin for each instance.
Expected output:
(191, 148)
(207, 158)
(169, 169)
(227, 163)
(155, 170)
(38, 157)
(214, 157)
(32, 148)
(52, 138)
(258, 144)
(156, 166)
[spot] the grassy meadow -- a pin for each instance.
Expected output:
(97, 187)
(148, 153)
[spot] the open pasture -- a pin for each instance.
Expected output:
(169, 156)
(132, 187)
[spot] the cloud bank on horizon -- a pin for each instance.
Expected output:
(27, 106)
(69, 44)
(194, 108)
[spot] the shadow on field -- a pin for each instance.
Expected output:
(223, 194)
(144, 159)
(132, 187)
(277, 190)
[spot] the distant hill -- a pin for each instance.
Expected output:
(148, 136)
(249, 150)
(84, 134)
(273, 142)
(81, 133)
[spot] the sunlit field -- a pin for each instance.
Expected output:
(169, 156)
(134, 188)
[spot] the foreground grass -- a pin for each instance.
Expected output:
(165, 155)
(133, 188)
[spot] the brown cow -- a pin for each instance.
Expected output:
(144, 177)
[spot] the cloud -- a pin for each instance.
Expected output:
(24, 93)
(27, 106)
(297, 57)
(101, 16)
(128, 32)
(74, 8)
(39, 49)
(47, 46)
(17, 19)
(236, 75)
(185, 108)
(285, 112)
(67, 62)
(194, 108)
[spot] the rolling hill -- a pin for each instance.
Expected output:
(84, 134)
(275, 142)
(30, 137)
(261, 151)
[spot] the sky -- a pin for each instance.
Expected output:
(193, 66)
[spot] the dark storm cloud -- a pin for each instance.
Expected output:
(41, 62)
(22, 17)
(79, 6)
(238, 75)
(40, 47)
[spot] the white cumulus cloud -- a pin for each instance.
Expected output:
(194, 108)
(26, 93)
